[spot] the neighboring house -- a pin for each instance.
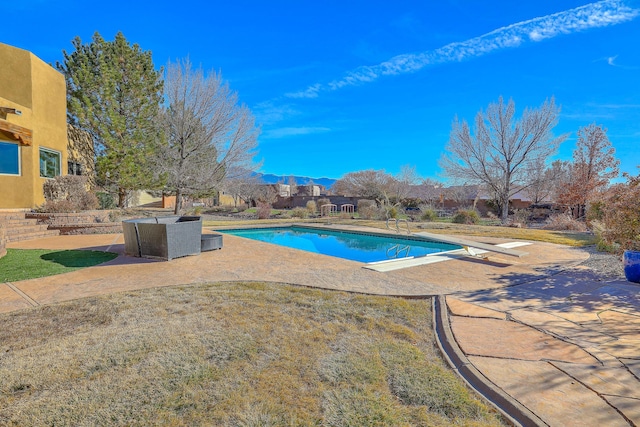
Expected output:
(285, 190)
(33, 127)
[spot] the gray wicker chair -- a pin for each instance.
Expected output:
(162, 237)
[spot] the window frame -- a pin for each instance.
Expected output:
(2, 141)
(74, 168)
(51, 151)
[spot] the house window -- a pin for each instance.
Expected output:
(74, 168)
(9, 158)
(49, 163)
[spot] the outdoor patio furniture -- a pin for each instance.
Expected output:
(210, 242)
(162, 237)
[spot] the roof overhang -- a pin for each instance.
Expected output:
(17, 133)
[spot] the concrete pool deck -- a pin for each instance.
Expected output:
(563, 346)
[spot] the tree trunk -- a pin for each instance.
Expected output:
(122, 198)
(504, 215)
(176, 210)
(504, 208)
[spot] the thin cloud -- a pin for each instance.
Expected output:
(613, 61)
(268, 112)
(310, 92)
(619, 106)
(594, 15)
(294, 131)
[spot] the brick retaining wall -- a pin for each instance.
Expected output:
(62, 219)
(87, 222)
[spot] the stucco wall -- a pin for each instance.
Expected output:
(38, 90)
(15, 75)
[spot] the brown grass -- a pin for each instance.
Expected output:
(243, 354)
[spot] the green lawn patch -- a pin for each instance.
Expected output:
(23, 264)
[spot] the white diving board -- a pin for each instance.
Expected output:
(467, 244)
(400, 263)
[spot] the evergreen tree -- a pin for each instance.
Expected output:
(114, 93)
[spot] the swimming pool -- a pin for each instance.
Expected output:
(356, 246)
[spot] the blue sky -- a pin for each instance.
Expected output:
(340, 86)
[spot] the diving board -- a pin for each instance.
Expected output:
(467, 244)
(400, 263)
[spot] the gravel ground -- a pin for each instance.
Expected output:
(606, 265)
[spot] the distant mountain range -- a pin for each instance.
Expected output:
(300, 180)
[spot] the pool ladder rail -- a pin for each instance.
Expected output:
(395, 251)
(398, 221)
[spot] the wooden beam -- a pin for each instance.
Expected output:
(9, 110)
(19, 133)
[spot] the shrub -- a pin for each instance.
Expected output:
(595, 211)
(621, 216)
(428, 214)
(392, 212)
(312, 207)
(68, 193)
(240, 208)
(264, 210)
(323, 201)
(520, 218)
(564, 222)
(61, 206)
(299, 213)
(367, 209)
(466, 216)
(105, 200)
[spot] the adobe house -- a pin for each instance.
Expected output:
(33, 127)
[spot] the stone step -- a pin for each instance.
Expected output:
(89, 228)
(25, 229)
(21, 222)
(33, 235)
(11, 215)
(19, 228)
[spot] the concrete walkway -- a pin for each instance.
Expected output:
(566, 347)
(561, 345)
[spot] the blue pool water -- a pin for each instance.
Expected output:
(354, 246)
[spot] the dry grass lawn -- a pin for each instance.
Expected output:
(234, 354)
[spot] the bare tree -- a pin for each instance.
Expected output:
(499, 151)
(368, 184)
(401, 184)
(293, 185)
(463, 196)
(594, 164)
(208, 134)
(266, 194)
(430, 191)
(242, 188)
(544, 183)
